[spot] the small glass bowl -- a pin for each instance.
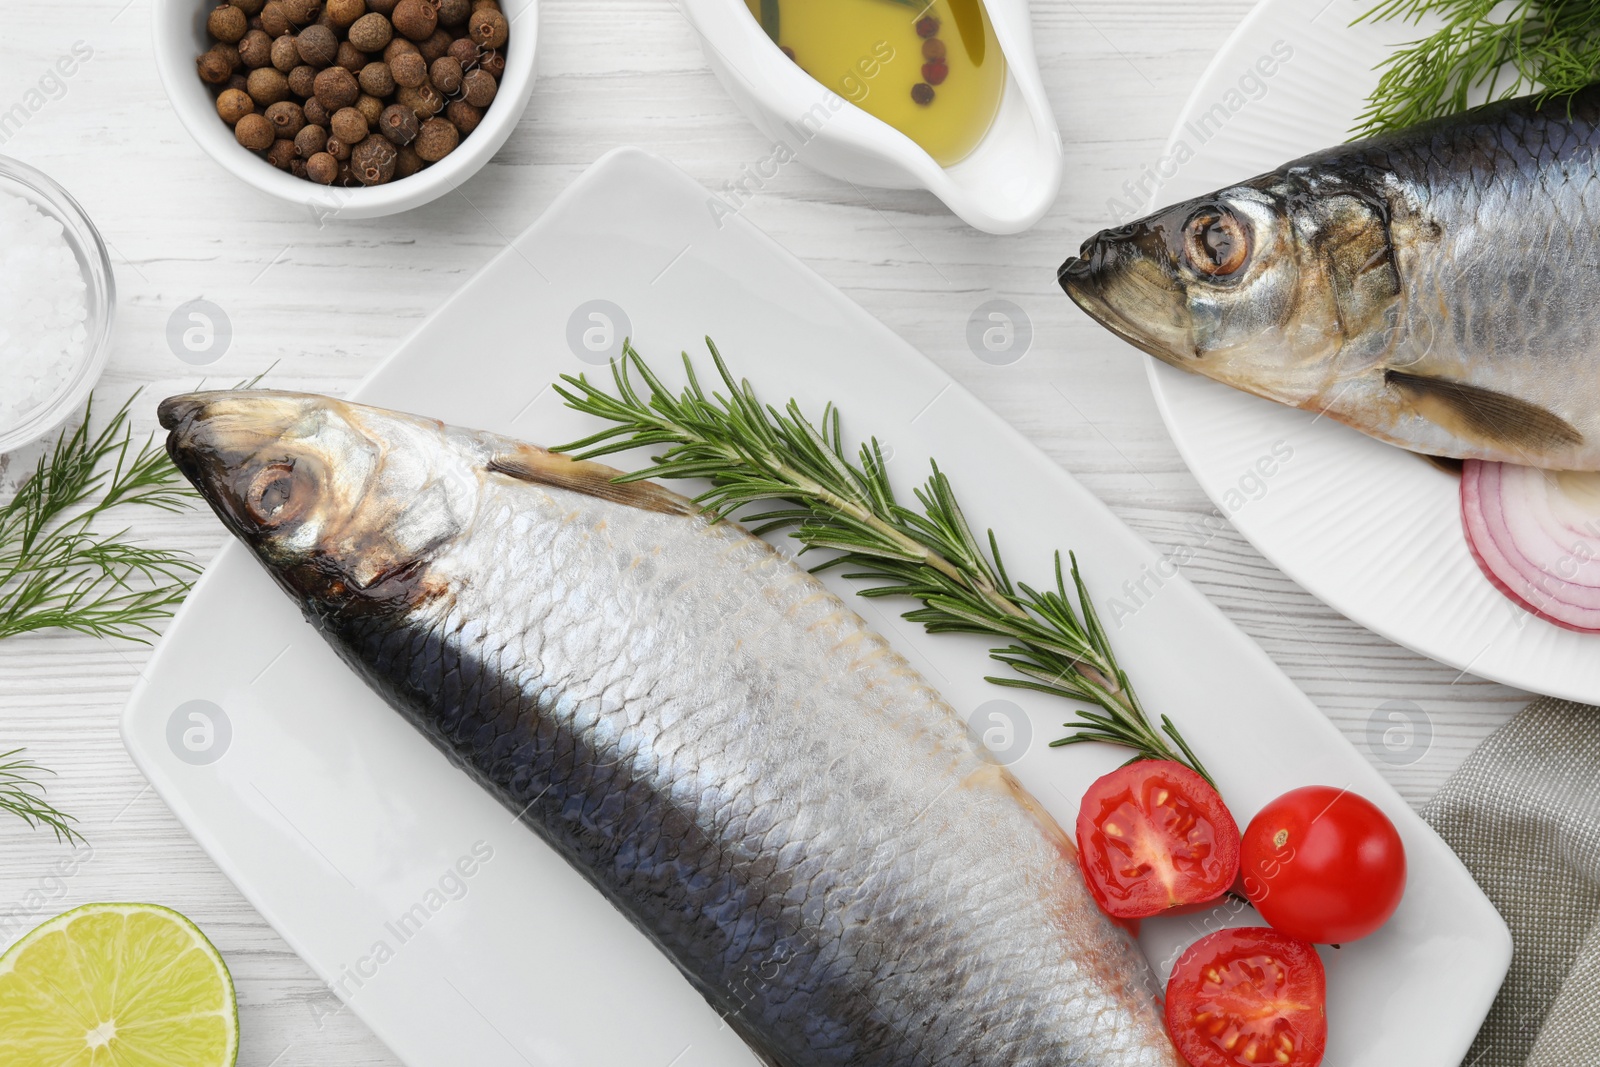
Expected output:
(51, 200)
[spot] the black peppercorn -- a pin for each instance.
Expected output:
(281, 153)
(436, 139)
(301, 12)
(399, 123)
(424, 99)
(215, 68)
(349, 125)
(274, 20)
(336, 88)
(287, 118)
(316, 114)
(310, 140)
(445, 73)
(370, 107)
(463, 116)
(227, 24)
(254, 132)
(408, 69)
(415, 19)
(407, 162)
(350, 58)
(317, 45)
(488, 27)
(285, 56)
(233, 105)
(479, 88)
(927, 27)
(373, 161)
(343, 13)
(464, 50)
(303, 80)
(435, 46)
(322, 168)
(268, 86)
(371, 32)
(922, 93)
(255, 49)
(375, 78)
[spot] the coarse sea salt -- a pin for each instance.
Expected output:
(44, 310)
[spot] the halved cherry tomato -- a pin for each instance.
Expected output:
(1249, 997)
(1153, 836)
(1323, 865)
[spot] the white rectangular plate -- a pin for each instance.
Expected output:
(455, 933)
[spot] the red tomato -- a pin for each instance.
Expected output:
(1154, 835)
(1323, 865)
(1248, 998)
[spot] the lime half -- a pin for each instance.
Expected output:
(117, 985)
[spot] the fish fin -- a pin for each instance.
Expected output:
(1447, 464)
(1484, 415)
(530, 464)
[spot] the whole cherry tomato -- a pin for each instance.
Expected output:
(1248, 998)
(1323, 865)
(1154, 835)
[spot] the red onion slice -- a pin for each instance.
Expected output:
(1536, 536)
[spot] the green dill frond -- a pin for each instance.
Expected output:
(22, 794)
(1495, 49)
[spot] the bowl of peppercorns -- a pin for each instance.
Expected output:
(354, 108)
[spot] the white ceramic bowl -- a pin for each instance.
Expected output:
(19, 179)
(179, 29)
(1003, 186)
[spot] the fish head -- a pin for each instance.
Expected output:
(1276, 286)
(341, 502)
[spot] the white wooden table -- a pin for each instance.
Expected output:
(322, 306)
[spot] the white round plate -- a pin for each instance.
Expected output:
(1372, 530)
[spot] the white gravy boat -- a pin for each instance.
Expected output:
(1007, 182)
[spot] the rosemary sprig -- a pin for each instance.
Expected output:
(22, 795)
(1505, 47)
(752, 452)
(56, 570)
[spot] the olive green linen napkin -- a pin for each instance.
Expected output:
(1523, 813)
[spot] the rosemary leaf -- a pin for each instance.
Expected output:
(754, 453)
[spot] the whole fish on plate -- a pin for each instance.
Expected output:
(1437, 287)
(758, 781)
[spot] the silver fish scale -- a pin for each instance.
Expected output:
(1497, 236)
(763, 787)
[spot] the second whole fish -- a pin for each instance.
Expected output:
(1437, 288)
(714, 740)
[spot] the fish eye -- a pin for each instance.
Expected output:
(1215, 242)
(271, 498)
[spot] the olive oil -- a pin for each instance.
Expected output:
(932, 71)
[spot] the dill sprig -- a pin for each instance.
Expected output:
(56, 570)
(1504, 48)
(755, 453)
(22, 795)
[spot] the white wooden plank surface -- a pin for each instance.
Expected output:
(324, 304)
